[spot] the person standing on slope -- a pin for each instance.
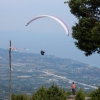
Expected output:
(73, 88)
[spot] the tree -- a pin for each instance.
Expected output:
(95, 95)
(87, 30)
(51, 93)
(40, 94)
(80, 95)
(56, 93)
(19, 97)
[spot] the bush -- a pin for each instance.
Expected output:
(19, 97)
(51, 93)
(80, 95)
(95, 95)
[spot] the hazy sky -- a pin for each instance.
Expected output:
(45, 33)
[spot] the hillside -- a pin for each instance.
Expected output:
(31, 71)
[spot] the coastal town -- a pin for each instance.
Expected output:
(31, 71)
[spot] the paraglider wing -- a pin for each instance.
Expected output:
(53, 17)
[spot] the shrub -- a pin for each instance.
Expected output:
(51, 93)
(80, 95)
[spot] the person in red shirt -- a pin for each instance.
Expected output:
(73, 88)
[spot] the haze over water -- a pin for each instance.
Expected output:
(44, 33)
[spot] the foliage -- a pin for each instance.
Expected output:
(40, 94)
(95, 95)
(56, 93)
(69, 93)
(51, 93)
(19, 97)
(80, 95)
(87, 30)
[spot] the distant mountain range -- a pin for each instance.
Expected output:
(30, 71)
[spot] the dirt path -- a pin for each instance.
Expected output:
(72, 97)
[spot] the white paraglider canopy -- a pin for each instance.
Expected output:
(53, 17)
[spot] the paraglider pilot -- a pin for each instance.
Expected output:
(42, 52)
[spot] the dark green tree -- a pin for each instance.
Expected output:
(95, 95)
(51, 93)
(80, 95)
(40, 94)
(56, 93)
(19, 97)
(14, 97)
(87, 30)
